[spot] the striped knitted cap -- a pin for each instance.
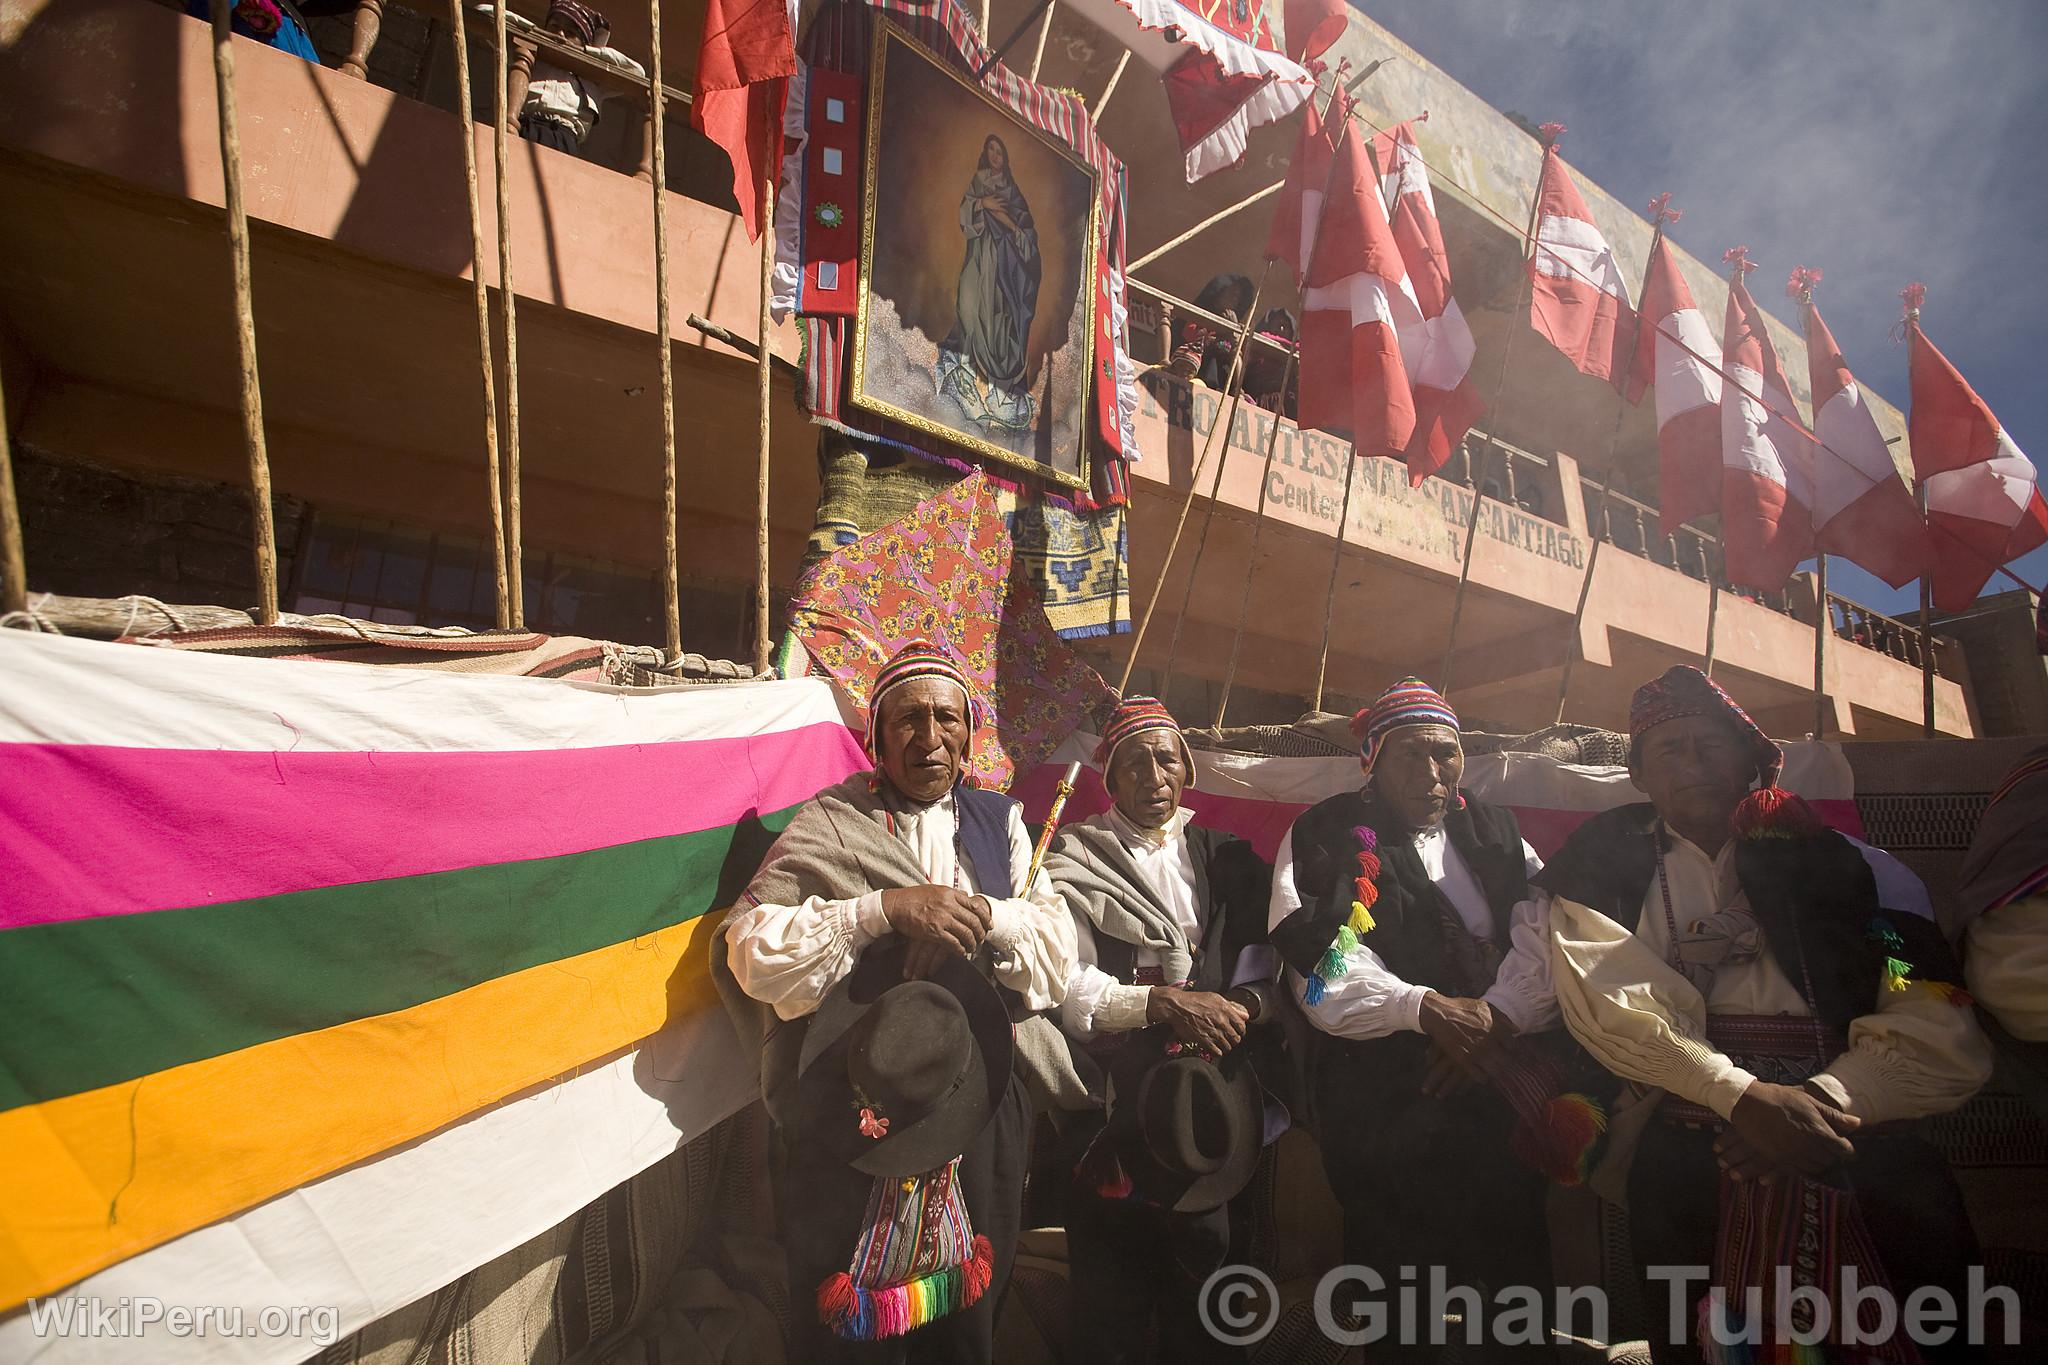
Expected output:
(920, 659)
(1410, 701)
(1685, 691)
(1134, 716)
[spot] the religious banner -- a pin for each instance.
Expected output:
(975, 321)
(327, 983)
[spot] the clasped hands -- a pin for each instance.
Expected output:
(938, 921)
(1466, 1037)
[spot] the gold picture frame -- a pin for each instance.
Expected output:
(1000, 350)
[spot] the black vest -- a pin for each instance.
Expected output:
(1813, 895)
(984, 827)
(1408, 925)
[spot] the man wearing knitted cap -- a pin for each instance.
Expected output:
(1783, 1007)
(1162, 911)
(909, 852)
(1394, 908)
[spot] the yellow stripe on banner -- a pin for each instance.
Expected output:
(94, 1178)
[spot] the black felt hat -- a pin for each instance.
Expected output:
(898, 1077)
(1187, 1129)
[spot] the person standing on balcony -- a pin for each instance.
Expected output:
(1162, 911)
(561, 107)
(1394, 908)
(1784, 1008)
(911, 863)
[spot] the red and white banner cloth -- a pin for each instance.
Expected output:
(1258, 797)
(1766, 453)
(1677, 357)
(1862, 509)
(1983, 506)
(1437, 347)
(1224, 74)
(1355, 295)
(1578, 301)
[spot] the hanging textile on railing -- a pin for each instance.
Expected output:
(994, 403)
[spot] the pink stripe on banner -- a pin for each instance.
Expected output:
(87, 830)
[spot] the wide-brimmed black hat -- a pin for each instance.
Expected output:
(928, 1060)
(1187, 1129)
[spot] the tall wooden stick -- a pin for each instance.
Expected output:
(1926, 629)
(761, 359)
(515, 560)
(1251, 568)
(1661, 211)
(265, 538)
(1110, 89)
(13, 565)
(671, 580)
(1822, 620)
(1255, 197)
(1044, 31)
(464, 99)
(1230, 389)
(1713, 602)
(1351, 463)
(1515, 326)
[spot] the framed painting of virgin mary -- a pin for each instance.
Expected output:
(978, 244)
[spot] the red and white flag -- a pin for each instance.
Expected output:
(1862, 510)
(1983, 506)
(1579, 302)
(1678, 357)
(744, 62)
(1353, 379)
(1437, 347)
(1766, 453)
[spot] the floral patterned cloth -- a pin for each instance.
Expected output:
(944, 573)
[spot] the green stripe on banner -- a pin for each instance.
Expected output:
(94, 1002)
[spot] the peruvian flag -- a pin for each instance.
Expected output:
(1676, 358)
(1579, 302)
(744, 62)
(1983, 508)
(1766, 455)
(1353, 379)
(1437, 347)
(1861, 509)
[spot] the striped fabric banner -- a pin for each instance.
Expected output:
(263, 920)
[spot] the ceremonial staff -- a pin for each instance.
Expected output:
(1800, 287)
(1661, 213)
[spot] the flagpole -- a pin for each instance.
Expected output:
(1351, 462)
(1821, 621)
(1661, 213)
(1493, 413)
(1713, 601)
(1926, 628)
(1230, 421)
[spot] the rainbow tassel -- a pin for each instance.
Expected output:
(1950, 992)
(857, 1314)
(1347, 939)
(1361, 922)
(1895, 974)
(1312, 990)
(1562, 1143)
(1332, 965)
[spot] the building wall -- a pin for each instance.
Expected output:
(2008, 672)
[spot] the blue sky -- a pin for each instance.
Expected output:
(1884, 141)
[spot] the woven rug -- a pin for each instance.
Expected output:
(1077, 561)
(947, 572)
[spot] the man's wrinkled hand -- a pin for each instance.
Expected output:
(1461, 1028)
(1198, 1018)
(1780, 1127)
(938, 915)
(1446, 1075)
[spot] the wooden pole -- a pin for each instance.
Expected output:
(1822, 620)
(1926, 631)
(245, 316)
(1231, 387)
(463, 102)
(1044, 31)
(13, 564)
(1110, 89)
(1500, 380)
(1211, 221)
(515, 560)
(1713, 602)
(1663, 213)
(1330, 593)
(1251, 568)
(671, 581)
(761, 359)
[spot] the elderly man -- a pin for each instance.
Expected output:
(1786, 995)
(909, 851)
(1394, 908)
(1162, 911)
